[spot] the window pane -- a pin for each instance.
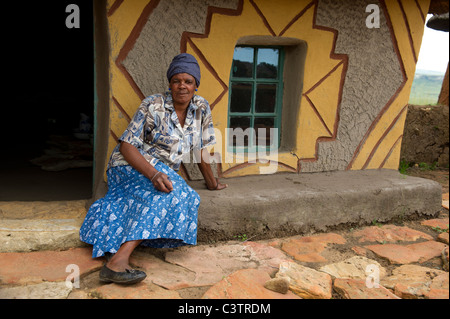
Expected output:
(267, 66)
(241, 97)
(262, 130)
(265, 98)
(238, 135)
(243, 62)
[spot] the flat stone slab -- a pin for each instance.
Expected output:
(445, 200)
(245, 284)
(440, 223)
(306, 282)
(142, 290)
(389, 233)
(209, 264)
(411, 275)
(309, 248)
(443, 237)
(36, 267)
(45, 290)
(354, 268)
(445, 203)
(358, 289)
(406, 254)
(164, 274)
(414, 282)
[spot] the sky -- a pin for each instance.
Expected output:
(434, 51)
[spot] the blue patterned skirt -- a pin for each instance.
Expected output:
(134, 210)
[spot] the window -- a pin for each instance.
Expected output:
(256, 92)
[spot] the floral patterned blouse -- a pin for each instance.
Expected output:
(156, 132)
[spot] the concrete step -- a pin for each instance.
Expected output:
(39, 225)
(25, 235)
(43, 209)
(269, 206)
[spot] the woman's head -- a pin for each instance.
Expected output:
(184, 78)
(182, 87)
(184, 63)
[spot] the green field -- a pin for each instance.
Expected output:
(426, 88)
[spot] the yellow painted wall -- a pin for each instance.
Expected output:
(322, 85)
(122, 95)
(227, 30)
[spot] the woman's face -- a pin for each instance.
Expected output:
(182, 86)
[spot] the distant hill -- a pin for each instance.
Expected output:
(426, 87)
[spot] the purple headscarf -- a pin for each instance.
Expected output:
(184, 63)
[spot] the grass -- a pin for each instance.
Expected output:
(242, 237)
(440, 230)
(376, 223)
(427, 167)
(404, 166)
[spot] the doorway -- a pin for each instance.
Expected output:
(48, 108)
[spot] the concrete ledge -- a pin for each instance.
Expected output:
(267, 206)
(43, 209)
(25, 235)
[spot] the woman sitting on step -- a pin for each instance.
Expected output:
(147, 202)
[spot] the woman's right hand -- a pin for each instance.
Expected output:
(162, 182)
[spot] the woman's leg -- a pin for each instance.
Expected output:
(120, 261)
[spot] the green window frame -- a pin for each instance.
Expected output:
(256, 95)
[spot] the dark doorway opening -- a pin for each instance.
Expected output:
(48, 108)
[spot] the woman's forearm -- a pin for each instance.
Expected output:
(212, 183)
(135, 159)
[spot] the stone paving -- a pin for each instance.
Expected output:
(401, 260)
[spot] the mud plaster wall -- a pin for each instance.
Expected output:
(376, 65)
(160, 39)
(373, 76)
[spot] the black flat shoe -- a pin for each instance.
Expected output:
(127, 277)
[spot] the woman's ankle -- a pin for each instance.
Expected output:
(118, 264)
